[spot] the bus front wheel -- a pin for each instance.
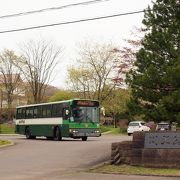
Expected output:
(57, 135)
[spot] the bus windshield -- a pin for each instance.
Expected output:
(86, 114)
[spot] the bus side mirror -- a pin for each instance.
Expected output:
(66, 113)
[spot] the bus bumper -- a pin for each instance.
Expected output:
(77, 133)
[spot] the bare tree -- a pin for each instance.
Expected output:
(95, 71)
(9, 77)
(40, 59)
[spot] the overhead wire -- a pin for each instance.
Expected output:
(51, 9)
(72, 22)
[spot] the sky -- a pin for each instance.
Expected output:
(114, 29)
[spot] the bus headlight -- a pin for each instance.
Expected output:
(73, 131)
(97, 131)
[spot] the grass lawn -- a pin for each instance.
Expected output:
(135, 170)
(7, 129)
(3, 142)
(111, 130)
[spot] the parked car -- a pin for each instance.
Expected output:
(163, 126)
(137, 126)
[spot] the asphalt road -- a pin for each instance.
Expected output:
(34, 158)
(42, 159)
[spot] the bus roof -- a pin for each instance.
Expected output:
(55, 102)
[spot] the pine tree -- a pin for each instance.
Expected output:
(156, 81)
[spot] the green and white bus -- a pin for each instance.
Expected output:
(75, 118)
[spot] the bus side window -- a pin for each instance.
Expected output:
(23, 114)
(48, 110)
(43, 111)
(35, 112)
(29, 112)
(57, 110)
(19, 114)
(54, 109)
(39, 112)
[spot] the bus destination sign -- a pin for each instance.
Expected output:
(86, 103)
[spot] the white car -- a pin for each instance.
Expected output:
(137, 126)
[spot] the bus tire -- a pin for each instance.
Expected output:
(28, 133)
(84, 138)
(57, 134)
